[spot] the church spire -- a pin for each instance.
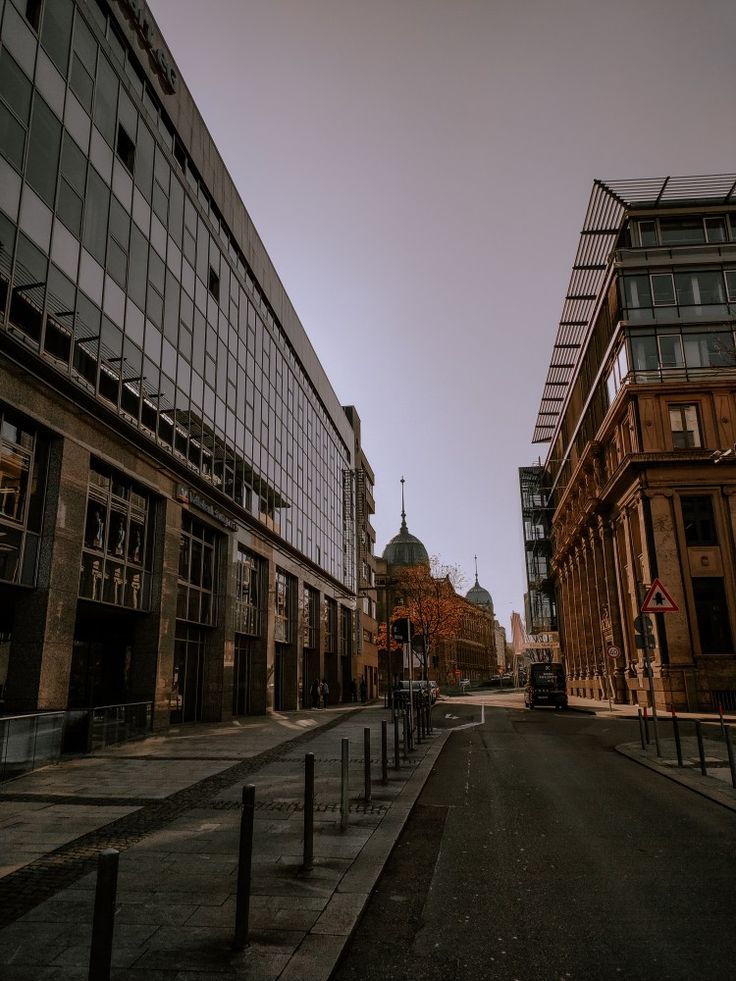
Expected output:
(476, 571)
(403, 511)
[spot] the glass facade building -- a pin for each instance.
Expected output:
(137, 298)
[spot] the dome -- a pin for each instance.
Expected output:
(479, 596)
(405, 549)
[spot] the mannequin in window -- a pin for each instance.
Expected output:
(100, 532)
(120, 541)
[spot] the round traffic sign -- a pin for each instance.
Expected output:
(612, 650)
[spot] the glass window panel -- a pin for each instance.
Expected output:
(685, 426)
(15, 87)
(43, 151)
(644, 352)
(12, 138)
(730, 275)
(144, 161)
(720, 347)
(73, 164)
(663, 289)
(674, 231)
(670, 351)
(82, 83)
(106, 100)
(97, 204)
(138, 266)
(56, 31)
(647, 233)
(715, 229)
(10, 552)
(15, 468)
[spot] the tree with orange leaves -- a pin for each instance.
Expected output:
(428, 598)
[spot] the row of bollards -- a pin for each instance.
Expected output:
(703, 763)
(103, 924)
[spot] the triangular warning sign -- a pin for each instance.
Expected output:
(658, 600)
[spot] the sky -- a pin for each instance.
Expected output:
(418, 171)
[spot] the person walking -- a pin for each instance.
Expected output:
(353, 691)
(363, 690)
(325, 693)
(314, 693)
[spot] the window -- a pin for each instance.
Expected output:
(711, 610)
(685, 426)
(15, 89)
(71, 186)
(715, 229)
(730, 275)
(663, 289)
(647, 233)
(670, 351)
(214, 284)
(675, 231)
(33, 13)
(282, 628)
(125, 149)
(117, 549)
(699, 520)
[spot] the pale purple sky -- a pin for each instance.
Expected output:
(418, 171)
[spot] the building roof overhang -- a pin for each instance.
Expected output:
(609, 204)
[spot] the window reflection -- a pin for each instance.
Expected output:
(117, 556)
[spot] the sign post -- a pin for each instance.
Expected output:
(656, 600)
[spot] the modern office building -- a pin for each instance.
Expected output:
(365, 661)
(177, 475)
(639, 483)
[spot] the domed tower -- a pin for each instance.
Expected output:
(479, 596)
(405, 549)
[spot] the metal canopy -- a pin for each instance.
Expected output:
(608, 205)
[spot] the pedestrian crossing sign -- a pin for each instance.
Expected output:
(658, 600)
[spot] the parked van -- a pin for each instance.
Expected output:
(545, 685)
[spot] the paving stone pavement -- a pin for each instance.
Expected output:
(172, 807)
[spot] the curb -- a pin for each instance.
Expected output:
(696, 782)
(319, 953)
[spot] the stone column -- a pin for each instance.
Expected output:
(43, 627)
(153, 663)
(679, 674)
(612, 592)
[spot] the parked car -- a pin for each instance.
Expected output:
(546, 685)
(420, 686)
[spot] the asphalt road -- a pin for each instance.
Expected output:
(537, 852)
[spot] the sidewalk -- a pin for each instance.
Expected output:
(716, 785)
(171, 805)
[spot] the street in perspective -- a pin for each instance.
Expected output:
(499, 843)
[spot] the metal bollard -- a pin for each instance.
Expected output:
(701, 748)
(405, 724)
(384, 752)
(641, 729)
(397, 762)
(367, 764)
(345, 766)
(245, 858)
(103, 922)
(678, 744)
(646, 725)
(731, 762)
(308, 863)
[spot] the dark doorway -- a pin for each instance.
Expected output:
(101, 658)
(249, 679)
(711, 610)
(187, 682)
